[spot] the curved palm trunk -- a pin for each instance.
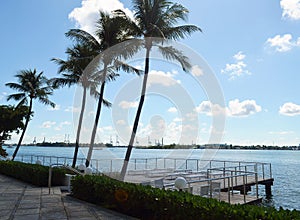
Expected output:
(89, 156)
(137, 117)
(24, 130)
(79, 127)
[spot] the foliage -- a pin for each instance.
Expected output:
(146, 202)
(30, 85)
(11, 119)
(33, 173)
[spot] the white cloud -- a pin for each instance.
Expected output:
(162, 78)
(289, 109)
(48, 124)
(283, 43)
(177, 119)
(208, 108)
(238, 68)
(239, 56)
(87, 15)
(56, 108)
(244, 108)
(291, 9)
(172, 110)
(197, 71)
(62, 124)
(72, 109)
(127, 105)
(121, 122)
(235, 108)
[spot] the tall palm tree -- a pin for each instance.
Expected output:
(111, 30)
(72, 69)
(31, 85)
(155, 23)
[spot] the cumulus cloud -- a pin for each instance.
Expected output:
(172, 110)
(238, 68)
(48, 124)
(127, 105)
(244, 108)
(161, 78)
(121, 122)
(283, 43)
(208, 108)
(235, 108)
(197, 71)
(289, 109)
(291, 9)
(87, 15)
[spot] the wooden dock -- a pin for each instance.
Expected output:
(229, 183)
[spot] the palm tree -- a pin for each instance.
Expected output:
(30, 86)
(79, 57)
(155, 23)
(111, 30)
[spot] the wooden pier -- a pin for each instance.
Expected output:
(228, 181)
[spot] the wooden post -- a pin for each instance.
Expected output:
(268, 190)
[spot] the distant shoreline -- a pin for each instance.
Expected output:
(172, 146)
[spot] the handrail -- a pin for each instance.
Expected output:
(60, 165)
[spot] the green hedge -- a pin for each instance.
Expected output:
(146, 202)
(32, 173)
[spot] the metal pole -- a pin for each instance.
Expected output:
(263, 170)
(244, 186)
(235, 176)
(49, 179)
(270, 170)
(256, 181)
(228, 190)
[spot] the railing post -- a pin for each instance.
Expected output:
(270, 170)
(49, 178)
(235, 176)
(228, 190)
(256, 181)
(186, 164)
(246, 175)
(263, 170)
(244, 188)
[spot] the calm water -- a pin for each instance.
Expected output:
(285, 164)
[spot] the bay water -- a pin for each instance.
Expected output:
(285, 164)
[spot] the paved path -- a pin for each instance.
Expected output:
(19, 201)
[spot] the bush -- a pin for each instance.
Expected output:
(32, 173)
(146, 202)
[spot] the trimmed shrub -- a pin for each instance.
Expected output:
(33, 173)
(146, 202)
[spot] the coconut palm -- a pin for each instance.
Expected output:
(72, 70)
(155, 23)
(31, 85)
(111, 30)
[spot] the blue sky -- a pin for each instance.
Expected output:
(252, 47)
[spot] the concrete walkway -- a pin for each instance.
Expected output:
(19, 200)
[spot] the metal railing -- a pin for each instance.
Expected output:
(264, 170)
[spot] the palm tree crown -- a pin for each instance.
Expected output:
(31, 85)
(155, 22)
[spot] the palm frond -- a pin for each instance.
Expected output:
(84, 37)
(16, 97)
(171, 53)
(180, 32)
(119, 65)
